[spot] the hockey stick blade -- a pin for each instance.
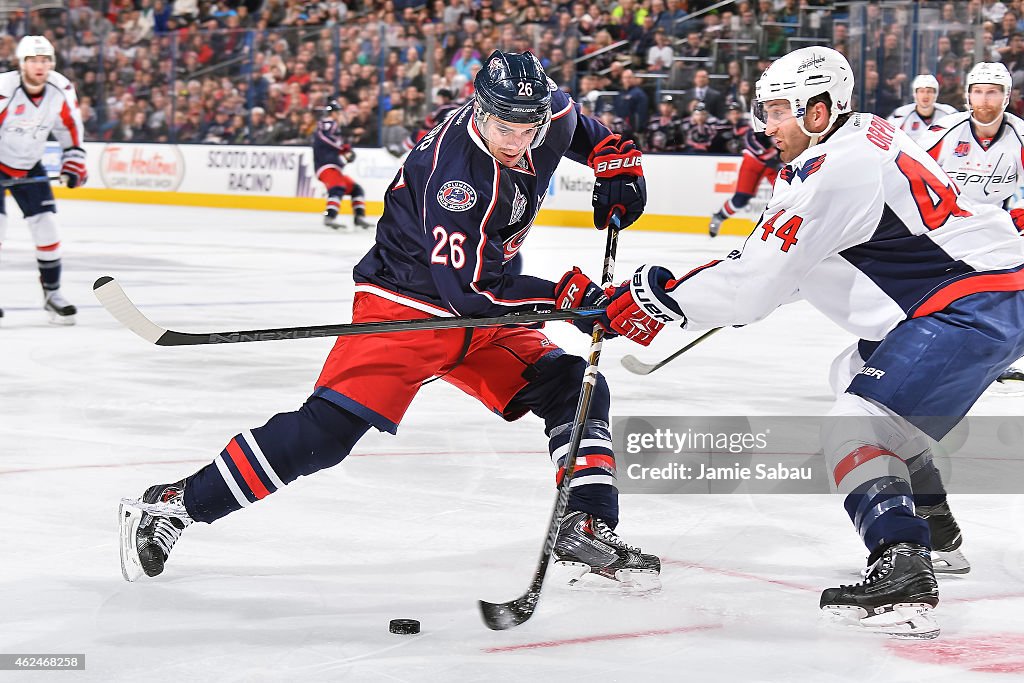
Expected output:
(117, 303)
(638, 367)
(505, 615)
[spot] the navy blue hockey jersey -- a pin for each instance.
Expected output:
(328, 145)
(454, 217)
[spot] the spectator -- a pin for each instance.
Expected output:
(631, 104)
(664, 132)
(660, 57)
(701, 91)
(699, 130)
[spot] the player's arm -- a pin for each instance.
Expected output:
(793, 236)
(460, 231)
(619, 185)
(69, 132)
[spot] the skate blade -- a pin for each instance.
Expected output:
(58, 319)
(579, 576)
(905, 621)
(128, 520)
(950, 562)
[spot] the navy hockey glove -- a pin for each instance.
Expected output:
(1018, 219)
(640, 307)
(619, 185)
(576, 290)
(72, 167)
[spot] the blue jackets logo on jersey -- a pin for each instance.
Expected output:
(456, 195)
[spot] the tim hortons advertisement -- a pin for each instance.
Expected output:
(141, 167)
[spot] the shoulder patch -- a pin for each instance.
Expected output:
(456, 195)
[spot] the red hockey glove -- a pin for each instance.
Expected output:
(576, 290)
(348, 154)
(72, 167)
(619, 184)
(640, 307)
(1018, 219)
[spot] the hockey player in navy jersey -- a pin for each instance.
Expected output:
(454, 219)
(865, 226)
(760, 160)
(330, 155)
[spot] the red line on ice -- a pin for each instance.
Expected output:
(602, 638)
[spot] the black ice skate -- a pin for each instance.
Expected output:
(716, 223)
(149, 528)
(57, 307)
(896, 597)
(1010, 383)
(587, 551)
(360, 221)
(946, 539)
(331, 220)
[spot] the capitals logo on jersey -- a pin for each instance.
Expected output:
(456, 195)
(962, 149)
(807, 169)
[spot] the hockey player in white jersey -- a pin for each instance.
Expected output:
(36, 101)
(868, 229)
(982, 150)
(915, 118)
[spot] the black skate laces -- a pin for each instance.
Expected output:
(166, 533)
(605, 533)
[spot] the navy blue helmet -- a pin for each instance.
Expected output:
(514, 88)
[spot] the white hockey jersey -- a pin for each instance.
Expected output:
(25, 124)
(913, 124)
(990, 174)
(869, 230)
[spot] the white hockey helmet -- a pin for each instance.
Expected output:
(34, 46)
(994, 73)
(801, 75)
(924, 81)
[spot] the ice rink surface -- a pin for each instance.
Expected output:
(422, 525)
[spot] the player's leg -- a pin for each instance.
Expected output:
(337, 185)
(358, 205)
(751, 170)
(513, 371)
(37, 203)
(929, 493)
(367, 380)
(925, 375)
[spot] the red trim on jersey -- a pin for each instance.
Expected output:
(936, 150)
(996, 282)
(246, 470)
(49, 247)
(13, 172)
(68, 120)
(858, 458)
(672, 285)
(555, 117)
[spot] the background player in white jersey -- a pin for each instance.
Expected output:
(915, 118)
(867, 228)
(982, 150)
(36, 101)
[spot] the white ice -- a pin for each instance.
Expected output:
(422, 525)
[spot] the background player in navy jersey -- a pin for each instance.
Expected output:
(330, 154)
(445, 105)
(866, 227)
(760, 160)
(454, 217)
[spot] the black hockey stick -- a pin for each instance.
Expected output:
(504, 615)
(29, 180)
(638, 367)
(117, 303)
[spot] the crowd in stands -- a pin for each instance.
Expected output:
(257, 71)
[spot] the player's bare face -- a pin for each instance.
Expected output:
(782, 125)
(986, 102)
(924, 98)
(35, 71)
(508, 141)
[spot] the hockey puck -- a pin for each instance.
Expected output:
(406, 627)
